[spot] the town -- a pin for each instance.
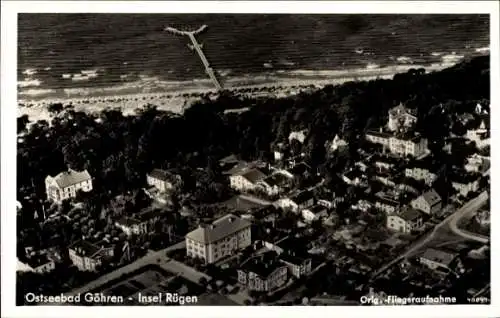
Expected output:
(320, 203)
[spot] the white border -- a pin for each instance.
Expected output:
(8, 143)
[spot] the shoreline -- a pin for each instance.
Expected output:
(128, 98)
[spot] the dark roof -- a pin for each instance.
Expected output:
(386, 199)
(148, 215)
(262, 265)
(276, 179)
(401, 109)
(71, 177)
(85, 248)
(300, 169)
(38, 260)
(294, 245)
(238, 169)
(219, 229)
(378, 134)
(410, 214)
(439, 256)
(317, 208)
(254, 175)
(302, 197)
(295, 259)
(431, 197)
(352, 174)
(229, 160)
(161, 175)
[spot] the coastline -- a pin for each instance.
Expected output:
(173, 96)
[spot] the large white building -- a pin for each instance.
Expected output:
(247, 179)
(401, 117)
(405, 222)
(162, 180)
(414, 146)
(220, 239)
(429, 202)
(87, 256)
(66, 184)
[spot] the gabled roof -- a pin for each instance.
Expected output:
(263, 265)
(440, 256)
(161, 174)
(276, 179)
(254, 175)
(410, 214)
(302, 197)
(431, 197)
(71, 177)
(85, 248)
(219, 229)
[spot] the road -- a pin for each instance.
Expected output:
(450, 221)
(159, 258)
(469, 208)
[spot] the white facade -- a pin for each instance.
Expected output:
(421, 175)
(66, 185)
(465, 188)
(397, 223)
(161, 185)
(240, 183)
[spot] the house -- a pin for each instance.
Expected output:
(465, 183)
(299, 264)
(429, 202)
(299, 170)
(440, 260)
(279, 151)
(246, 179)
(362, 205)
(465, 118)
(139, 224)
(336, 144)
(220, 239)
(39, 263)
(353, 177)
(477, 163)
(421, 174)
(314, 213)
(263, 273)
(274, 184)
(387, 203)
(300, 136)
(401, 117)
(480, 135)
(162, 179)
(304, 200)
(87, 256)
(66, 184)
(406, 221)
(402, 145)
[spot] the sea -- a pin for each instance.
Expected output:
(59, 51)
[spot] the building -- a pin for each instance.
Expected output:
(314, 213)
(402, 145)
(429, 202)
(401, 117)
(247, 179)
(87, 256)
(477, 163)
(162, 180)
(353, 177)
(440, 260)
(299, 265)
(274, 184)
(263, 273)
(139, 224)
(465, 183)
(336, 144)
(387, 203)
(481, 135)
(300, 136)
(421, 174)
(38, 263)
(66, 184)
(405, 222)
(219, 239)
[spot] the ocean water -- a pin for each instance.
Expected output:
(122, 47)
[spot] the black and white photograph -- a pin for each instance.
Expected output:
(171, 157)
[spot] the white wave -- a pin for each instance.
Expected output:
(437, 53)
(404, 59)
(482, 49)
(372, 66)
(29, 82)
(30, 71)
(37, 92)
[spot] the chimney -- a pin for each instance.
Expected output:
(230, 219)
(212, 226)
(380, 129)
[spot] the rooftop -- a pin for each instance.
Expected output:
(71, 177)
(431, 197)
(37, 260)
(299, 169)
(440, 256)
(219, 229)
(410, 214)
(161, 175)
(302, 197)
(254, 175)
(262, 265)
(276, 179)
(84, 248)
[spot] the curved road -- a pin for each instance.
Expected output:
(450, 221)
(469, 208)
